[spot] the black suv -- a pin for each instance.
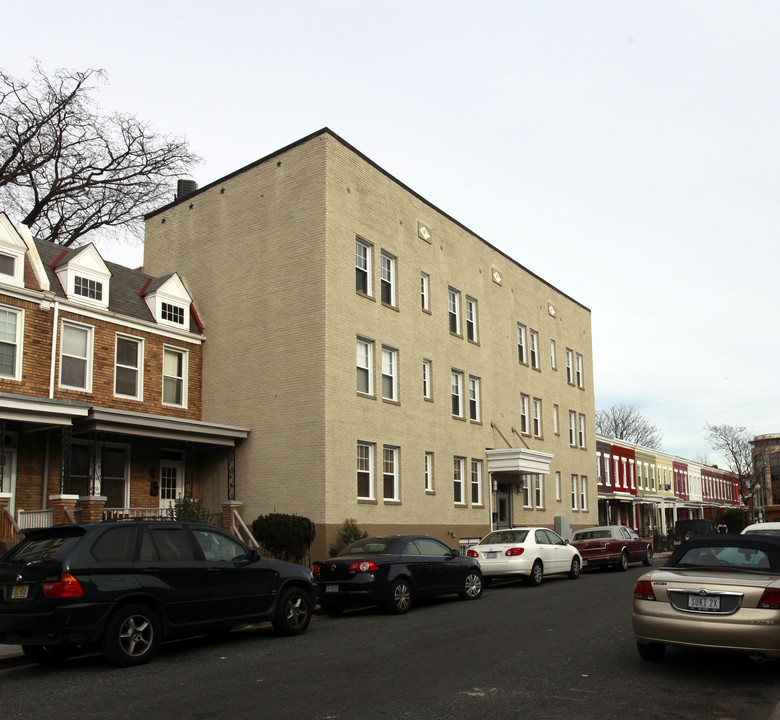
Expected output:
(125, 585)
(686, 529)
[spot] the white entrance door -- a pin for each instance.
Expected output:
(171, 482)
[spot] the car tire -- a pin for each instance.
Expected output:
(537, 573)
(651, 651)
(623, 564)
(400, 599)
(131, 636)
(472, 586)
(576, 566)
(293, 612)
(48, 654)
(648, 557)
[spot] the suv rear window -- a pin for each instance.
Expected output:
(43, 546)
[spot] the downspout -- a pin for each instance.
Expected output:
(54, 335)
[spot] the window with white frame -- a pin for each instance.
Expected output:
(365, 471)
(539, 490)
(616, 471)
(556, 420)
(474, 398)
(471, 319)
(558, 496)
(652, 477)
(583, 492)
(553, 359)
(7, 265)
(476, 481)
(574, 493)
(425, 291)
(569, 366)
(579, 371)
(172, 313)
(76, 356)
(453, 306)
(581, 431)
(572, 428)
(427, 379)
(521, 344)
(390, 473)
(458, 480)
(389, 373)
(364, 364)
(457, 393)
(174, 377)
(388, 279)
(526, 481)
(524, 410)
(11, 325)
(537, 417)
(534, 347)
(88, 288)
(428, 472)
(129, 367)
(362, 267)
(607, 479)
(639, 475)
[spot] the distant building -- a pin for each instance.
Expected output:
(393, 367)
(765, 494)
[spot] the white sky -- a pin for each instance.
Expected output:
(627, 152)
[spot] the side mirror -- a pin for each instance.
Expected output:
(254, 556)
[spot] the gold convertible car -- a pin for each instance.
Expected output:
(717, 592)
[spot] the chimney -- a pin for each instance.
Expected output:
(184, 188)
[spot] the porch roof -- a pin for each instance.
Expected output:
(519, 460)
(45, 412)
(125, 422)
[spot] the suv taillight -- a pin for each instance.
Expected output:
(67, 587)
(643, 590)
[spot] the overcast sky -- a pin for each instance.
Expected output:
(626, 152)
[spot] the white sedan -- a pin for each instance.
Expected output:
(527, 552)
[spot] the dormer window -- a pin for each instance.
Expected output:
(7, 265)
(12, 252)
(172, 313)
(87, 288)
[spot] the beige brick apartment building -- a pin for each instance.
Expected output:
(393, 367)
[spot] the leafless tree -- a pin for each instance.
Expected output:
(733, 442)
(626, 422)
(67, 169)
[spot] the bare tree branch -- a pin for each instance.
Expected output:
(626, 422)
(733, 442)
(68, 170)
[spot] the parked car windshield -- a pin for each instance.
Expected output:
(773, 533)
(504, 537)
(737, 558)
(368, 546)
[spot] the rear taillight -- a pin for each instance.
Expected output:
(67, 587)
(770, 600)
(316, 569)
(643, 590)
(473, 553)
(362, 566)
(514, 552)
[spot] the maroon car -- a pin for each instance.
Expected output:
(614, 545)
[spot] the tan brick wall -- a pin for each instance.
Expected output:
(269, 254)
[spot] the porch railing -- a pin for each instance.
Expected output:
(10, 532)
(31, 519)
(241, 531)
(114, 513)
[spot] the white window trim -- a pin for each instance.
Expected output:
(536, 421)
(428, 471)
(425, 291)
(474, 399)
(139, 385)
(184, 379)
(390, 371)
(471, 319)
(394, 454)
(476, 482)
(533, 342)
(453, 310)
(427, 379)
(459, 480)
(369, 249)
(369, 358)
(371, 475)
(89, 358)
(387, 271)
(456, 390)
(18, 342)
(522, 347)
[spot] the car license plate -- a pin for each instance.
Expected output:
(331, 588)
(19, 592)
(703, 602)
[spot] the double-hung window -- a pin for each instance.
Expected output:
(362, 267)
(583, 492)
(522, 350)
(453, 305)
(524, 409)
(569, 366)
(389, 373)
(390, 473)
(457, 393)
(556, 420)
(578, 371)
(581, 430)
(427, 379)
(428, 471)
(458, 480)
(574, 493)
(365, 352)
(128, 369)
(388, 279)
(539, 490)
(537, 417)
(365, 471)
(471, 319)
(534, 345)
(174, 377)
(76, 356)
(425, 291)
(526, 481)
(476, 482)
(11, 322)
(572, 428)
(553, 361)
(473, 398)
